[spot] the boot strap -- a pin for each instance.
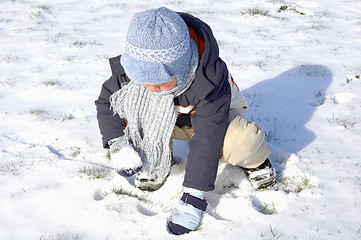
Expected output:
(194, 201)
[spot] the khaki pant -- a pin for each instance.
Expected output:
(244, 144)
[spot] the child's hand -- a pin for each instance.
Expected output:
(125, 159)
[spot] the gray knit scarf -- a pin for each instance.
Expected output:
(151, 119)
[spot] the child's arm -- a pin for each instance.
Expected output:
(110, 125)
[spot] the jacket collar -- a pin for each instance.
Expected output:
(203, 85)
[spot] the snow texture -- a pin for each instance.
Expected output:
(296, 62)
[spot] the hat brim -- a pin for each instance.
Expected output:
(152, 73)
(145, 72)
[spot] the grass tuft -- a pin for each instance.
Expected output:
(345, 123)
(269, 209)
(60, 237)
(294, 184)
(94, 172)
(123, 192)
(11, 168)
(290, 8)
(257, 11)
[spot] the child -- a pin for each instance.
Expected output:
(171, 84)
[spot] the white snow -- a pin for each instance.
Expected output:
(344, 97)
(119, 150)
(299, 69)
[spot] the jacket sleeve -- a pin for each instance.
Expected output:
(209, 122)
(110, 125)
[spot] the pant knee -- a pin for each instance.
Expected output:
(244, 143)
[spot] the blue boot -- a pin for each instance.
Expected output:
(188, 212)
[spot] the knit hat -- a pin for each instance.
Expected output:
(157, 47)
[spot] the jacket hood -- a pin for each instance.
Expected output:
(211, 51)
(212, 71)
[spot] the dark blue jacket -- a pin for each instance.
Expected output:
(209, 94)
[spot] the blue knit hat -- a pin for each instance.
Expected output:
(157, 47)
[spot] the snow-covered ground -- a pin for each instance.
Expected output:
(297, 63)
